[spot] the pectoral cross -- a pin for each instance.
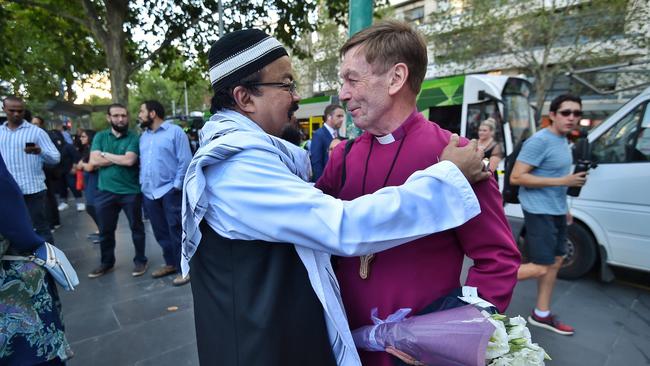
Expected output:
(364, 268)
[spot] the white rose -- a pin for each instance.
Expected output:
(518, 329)
(498, 344)
(528, 357)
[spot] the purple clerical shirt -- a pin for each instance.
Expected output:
(417, 273)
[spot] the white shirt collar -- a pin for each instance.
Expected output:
(330, 129)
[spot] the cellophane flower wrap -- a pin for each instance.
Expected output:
(457, 336)
(461, 335)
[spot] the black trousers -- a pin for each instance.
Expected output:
(36, 207)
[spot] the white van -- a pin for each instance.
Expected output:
(612, 212)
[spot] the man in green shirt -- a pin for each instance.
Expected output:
(115, 152)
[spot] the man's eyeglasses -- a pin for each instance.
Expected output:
(567, 113)
(290, 86)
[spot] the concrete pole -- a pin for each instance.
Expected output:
(220, 19)
(187, 110)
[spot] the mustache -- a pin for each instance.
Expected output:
(294, 107)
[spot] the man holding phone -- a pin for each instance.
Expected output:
(25, 148)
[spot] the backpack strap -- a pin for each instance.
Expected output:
(348, 147)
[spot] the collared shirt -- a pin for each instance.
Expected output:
(252, 195)
(27, 169)
(331, 130)
(116, 178)
(164, 157)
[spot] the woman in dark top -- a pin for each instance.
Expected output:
(31, 330)
(90, 178)
(491, 147)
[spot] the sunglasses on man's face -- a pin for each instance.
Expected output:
(568, 112)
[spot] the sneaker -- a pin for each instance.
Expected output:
(180, 281)
(100, 271)
(139, 269)
(62, 206)
(92, 236)
(163, 271)
(551, 323)
(81, 207)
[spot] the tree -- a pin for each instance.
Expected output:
(43, 56)
(318, 62)
(541, 38)
(319, 73)
(187, 26)
(155, 84)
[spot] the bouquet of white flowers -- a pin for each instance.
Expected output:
(511, 343)
(464, 335)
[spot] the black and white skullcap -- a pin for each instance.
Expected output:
(240, 54)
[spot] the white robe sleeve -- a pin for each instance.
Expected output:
(253, 196)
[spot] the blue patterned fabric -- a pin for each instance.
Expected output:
(31, 330)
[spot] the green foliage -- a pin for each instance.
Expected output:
(175, 30)
(540, 38)
(46, 52)
(153, 85)
(98, 120)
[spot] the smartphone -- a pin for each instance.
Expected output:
(29, 144)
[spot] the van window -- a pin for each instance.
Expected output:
(628, 141)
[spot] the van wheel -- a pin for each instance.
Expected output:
(581, 253)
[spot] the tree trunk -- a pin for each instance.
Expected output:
(119, 76)
(70, 95)
(543, 79)
(115, 48)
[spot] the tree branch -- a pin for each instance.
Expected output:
(52, 10)
(94, 24)
(170, 36)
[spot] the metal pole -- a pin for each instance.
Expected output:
(360, 15)
(173, 107)
(187, 110)
(220, 19)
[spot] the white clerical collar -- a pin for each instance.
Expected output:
(386, 139)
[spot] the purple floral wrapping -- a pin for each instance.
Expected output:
(457, 336)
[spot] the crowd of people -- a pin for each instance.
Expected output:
(282, 269)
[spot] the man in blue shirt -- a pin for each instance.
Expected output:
(543, 170)
(320, 142)
(164, 156)
(25, 148)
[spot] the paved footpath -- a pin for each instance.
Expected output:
(121, 320)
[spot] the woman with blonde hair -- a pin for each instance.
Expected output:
(492, 148)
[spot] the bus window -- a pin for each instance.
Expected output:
(517, 109)
(477, 113)
(447, 117)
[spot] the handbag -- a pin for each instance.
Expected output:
(54, 261)
(79, 183)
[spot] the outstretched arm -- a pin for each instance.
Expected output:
(254, 196)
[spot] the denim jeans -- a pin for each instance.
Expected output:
(165, 216)
(108, 206)
(36, 208)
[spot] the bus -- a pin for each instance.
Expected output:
(460, 103)
(310, 115)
